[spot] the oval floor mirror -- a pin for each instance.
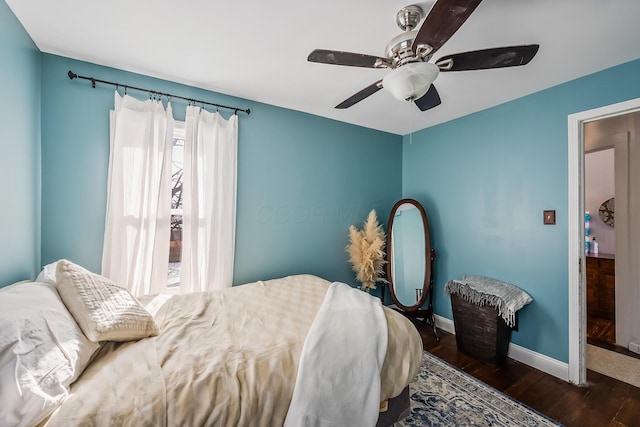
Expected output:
(410, 261)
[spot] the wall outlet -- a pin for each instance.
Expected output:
(635, 347)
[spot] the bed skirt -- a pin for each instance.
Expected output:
(398, 408)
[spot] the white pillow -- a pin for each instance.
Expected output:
(48, 274)
(42, 351)
(104, 310)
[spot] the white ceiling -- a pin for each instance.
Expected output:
(257, 50)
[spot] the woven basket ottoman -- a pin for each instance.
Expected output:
(480, 331)
(484, 313)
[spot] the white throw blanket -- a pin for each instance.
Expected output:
(338, 381)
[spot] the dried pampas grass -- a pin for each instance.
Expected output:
(366, 252)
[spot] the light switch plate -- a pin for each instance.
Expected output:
(549, 217)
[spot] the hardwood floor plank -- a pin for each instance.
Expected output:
(569, 406)
(602, 402)
(544, 394)
(629, 412)
(601, 329)
(507, 375)
(526, 389)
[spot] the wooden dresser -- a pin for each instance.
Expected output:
(601, 286)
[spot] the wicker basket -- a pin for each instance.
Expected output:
(480, 332)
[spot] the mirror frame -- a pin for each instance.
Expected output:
(428, 252)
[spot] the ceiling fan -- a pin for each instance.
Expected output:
(407, 55)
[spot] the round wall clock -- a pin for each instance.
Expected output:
(606, 212)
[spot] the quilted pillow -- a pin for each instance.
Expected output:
(42, 351)
(104, 310)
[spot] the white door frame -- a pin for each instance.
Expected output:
(577, 288)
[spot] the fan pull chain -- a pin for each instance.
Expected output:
(410, 123)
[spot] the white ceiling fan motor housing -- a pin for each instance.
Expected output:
(410, 81)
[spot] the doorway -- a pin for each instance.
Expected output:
(600, 247)
(626, 281)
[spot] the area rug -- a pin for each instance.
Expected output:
(615, 365)
(443, 395)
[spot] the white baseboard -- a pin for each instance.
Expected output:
(521, 354)
(445, 324)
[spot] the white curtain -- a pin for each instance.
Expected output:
(209, 201)
(136, 240)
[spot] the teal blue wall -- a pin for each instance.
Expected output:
(19, 151)
(485, 180)
(302, 179)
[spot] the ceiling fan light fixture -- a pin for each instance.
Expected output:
(410, 81)
(407, 55)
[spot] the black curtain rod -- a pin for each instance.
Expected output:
(93, 81)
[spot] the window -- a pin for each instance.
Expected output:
(175, 242)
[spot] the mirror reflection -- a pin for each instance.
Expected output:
(408, 254)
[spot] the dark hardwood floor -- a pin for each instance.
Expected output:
(601, 329)
(602, 333)
(602, 402)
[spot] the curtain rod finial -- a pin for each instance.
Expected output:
(72, 75)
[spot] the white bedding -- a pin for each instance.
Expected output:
(226, 358)
(338, 382)
(42, 351)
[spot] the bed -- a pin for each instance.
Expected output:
(227, 358)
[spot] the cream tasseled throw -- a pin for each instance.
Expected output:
(480, 290)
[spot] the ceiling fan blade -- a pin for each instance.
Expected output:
(357, 97)
(428, 100)
(500, 57)
(444, 19)
(336, 57)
